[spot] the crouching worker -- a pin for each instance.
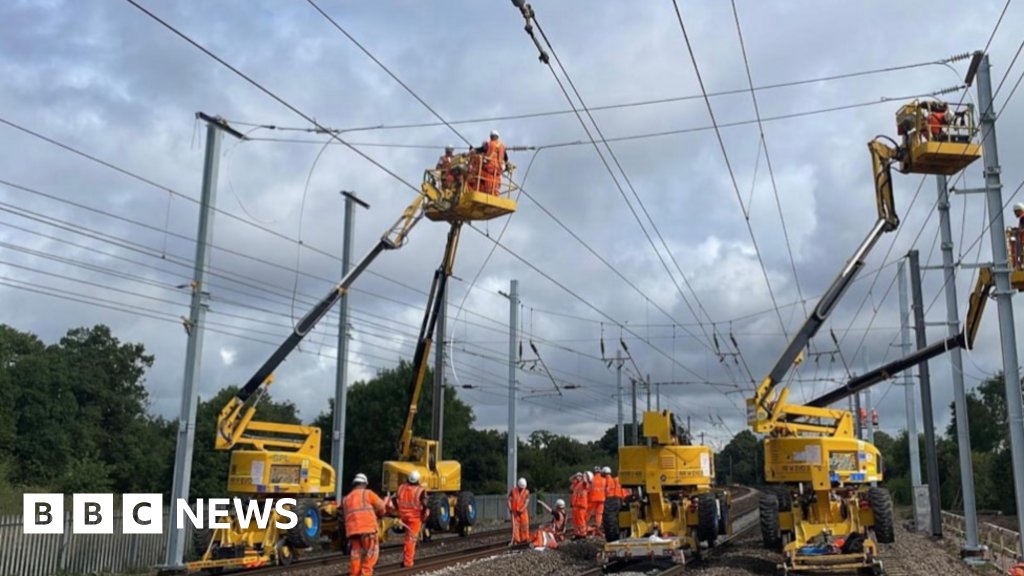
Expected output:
(550, 534)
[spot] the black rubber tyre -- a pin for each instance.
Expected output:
(707, 518)
(768, 511)
(440, 512)
(723, 510)
(881, 505)
(610, 519)
(465, 511)
(201, 538)
(305, 534)
(785, 498)
(285, 554)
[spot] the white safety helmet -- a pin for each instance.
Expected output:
(559, 503)
(590, 476)
(606, 470)
(494, 134)
(449, 148)
(360, 479)
(1018, 207)
(414, 477)
(521, 483)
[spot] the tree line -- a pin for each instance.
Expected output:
(74, 417)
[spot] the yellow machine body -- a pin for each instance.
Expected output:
(819, 507)
(264, 470)
(435, 475)
(674, 507)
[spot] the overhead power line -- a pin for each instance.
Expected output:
(617, 106)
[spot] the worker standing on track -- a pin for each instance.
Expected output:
(518, 501)
(578, 485)
(597, 497)
(362, 508)
(413, 512)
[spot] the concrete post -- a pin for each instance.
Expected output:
(931, 459)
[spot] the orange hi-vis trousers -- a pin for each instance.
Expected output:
(521, 527)
(364, 554)
(595, 510)
(413, 525)
(579, 520)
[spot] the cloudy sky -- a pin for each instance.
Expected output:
(700, 253)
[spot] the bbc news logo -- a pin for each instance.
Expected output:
(144, 513)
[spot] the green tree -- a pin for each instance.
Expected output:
(742, 460)
(80, 400)
(381, 404)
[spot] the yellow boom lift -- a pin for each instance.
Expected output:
(820, 509)
(673, 507)
(272, 459)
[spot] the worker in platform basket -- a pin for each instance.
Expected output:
(518, 507)
(596, 496)
(446, 168)
(1018, 237)
(578, 485)
(495, 159)
(362, 508)
(413, 512)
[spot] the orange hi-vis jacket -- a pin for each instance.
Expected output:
(579, 494)
(496, 154)
(597, 488)
(612, 488)
(517, 499)
(410, 500)
(362, 507)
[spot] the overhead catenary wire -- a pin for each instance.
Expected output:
(728, 164)
(531, 17)
(604, 107)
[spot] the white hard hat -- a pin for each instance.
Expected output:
(1018, 207)
(590, 476)
(606, 470)
(494, 134)
(449, 148)
(360, 479)
(521, 483)
(414, 477)
(559, 503)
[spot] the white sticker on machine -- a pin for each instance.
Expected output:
(705, 464)
(256, 471)
(810, 454)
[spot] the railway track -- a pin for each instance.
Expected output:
(746, 520)
(340, 559)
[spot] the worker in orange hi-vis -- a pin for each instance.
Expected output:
(412, 511)
(578, 485)
(550, 534)
(362, 508)
(596, 496)
(495, 158)
(518, 500)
